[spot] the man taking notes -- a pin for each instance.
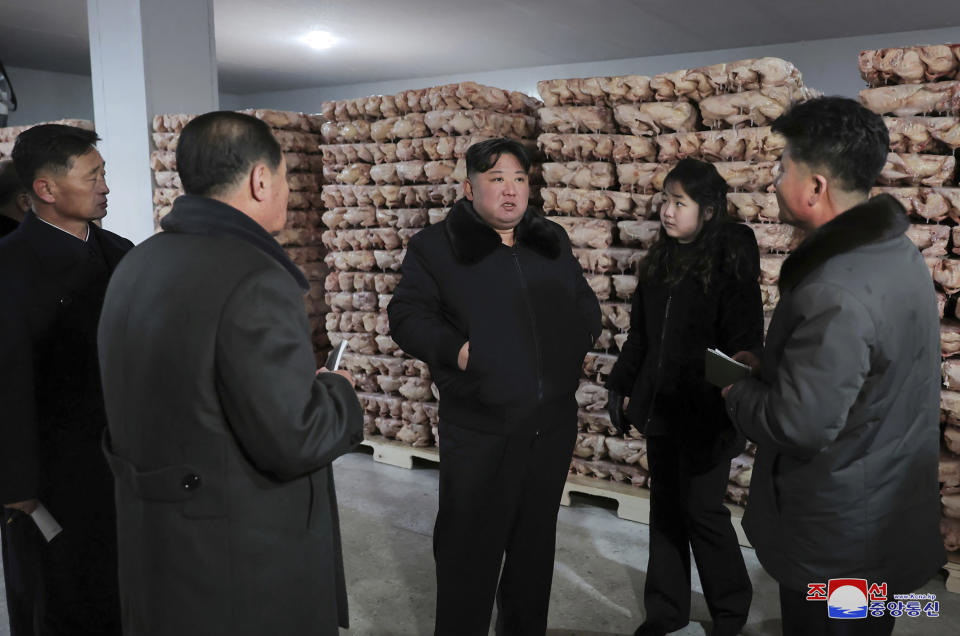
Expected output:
(845, 409)
(221, 431)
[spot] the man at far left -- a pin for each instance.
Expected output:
(54, 270)
(14, 200)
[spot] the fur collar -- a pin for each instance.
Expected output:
(472, 239)
(193, 214)
(879, 219)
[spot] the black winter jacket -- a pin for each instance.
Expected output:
(527, 310)
(661, 365)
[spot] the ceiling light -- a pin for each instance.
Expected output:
(319, 40)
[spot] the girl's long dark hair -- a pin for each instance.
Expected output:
(666, 263)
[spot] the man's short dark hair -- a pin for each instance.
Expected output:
(216, 150)
(840, 136)
(10, 186)
(484, 155)
(50, 147)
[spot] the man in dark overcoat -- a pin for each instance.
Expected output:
(221, 431)
(54, 271)
(14, 204)
(493, 300)
(845, 410)
(14, 199)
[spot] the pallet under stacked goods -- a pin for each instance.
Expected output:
(298, 136)
(917, 90)
(398, 164)
(8, 135)
(610, 142)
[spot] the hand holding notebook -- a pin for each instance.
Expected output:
(721, 370)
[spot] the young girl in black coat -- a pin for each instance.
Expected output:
(698, 289)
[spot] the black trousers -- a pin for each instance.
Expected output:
(67, 587)
(687, 511)
(21, 561)
(499, 498)
(802, 617)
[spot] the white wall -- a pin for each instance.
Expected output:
(46, 96)
(229, 101)
(137, 74)
(827, 65)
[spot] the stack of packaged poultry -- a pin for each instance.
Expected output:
(917, 90)
(298, 136)
(610, 142)
(9, 134)
(394, 164)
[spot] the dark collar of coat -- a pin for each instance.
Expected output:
(7, 225)
(59, 251)
(202, 215)
(114, 247)
(879, 219)
(472, 239)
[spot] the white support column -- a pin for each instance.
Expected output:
(147, 57)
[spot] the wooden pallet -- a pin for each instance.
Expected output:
(633, 503)
(953, 572)
(388, 451)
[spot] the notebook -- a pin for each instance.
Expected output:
(721, 370)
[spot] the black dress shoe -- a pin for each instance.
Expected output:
(726, 630)
(729, 626)
(649, 629)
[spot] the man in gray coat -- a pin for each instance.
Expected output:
(845, 410)
(221, 431)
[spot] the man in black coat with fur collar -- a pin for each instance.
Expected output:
(54, 270)
(494, 301)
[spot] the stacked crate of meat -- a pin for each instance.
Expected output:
(610, 142)
(8, 135)
(917, 90)
(394, 164)
(298, 135)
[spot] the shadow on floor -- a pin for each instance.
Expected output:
(577, 632)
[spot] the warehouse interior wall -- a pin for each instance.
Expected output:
(827, 65)
(47, 96)
(229, 101)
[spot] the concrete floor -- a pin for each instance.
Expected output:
(387, 515)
